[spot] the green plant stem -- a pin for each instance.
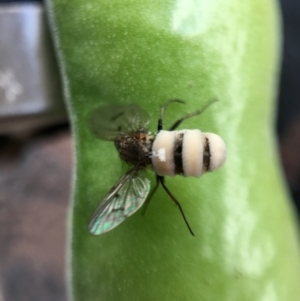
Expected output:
(147, 52)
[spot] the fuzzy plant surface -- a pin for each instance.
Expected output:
(146, 52)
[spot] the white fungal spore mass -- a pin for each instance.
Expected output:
(161, 154)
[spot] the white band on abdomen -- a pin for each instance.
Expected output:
(163, 154)
(192, 153)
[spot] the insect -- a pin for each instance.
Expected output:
(169, 153)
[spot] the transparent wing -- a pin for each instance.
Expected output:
(109, 122)
(125, 198)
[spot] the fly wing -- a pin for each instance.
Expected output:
(125, 198)
(109, 122)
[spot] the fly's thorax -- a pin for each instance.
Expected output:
(135, 148)
(187, 152)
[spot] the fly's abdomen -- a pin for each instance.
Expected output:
(187, 152)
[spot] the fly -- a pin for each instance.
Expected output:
(169, 153)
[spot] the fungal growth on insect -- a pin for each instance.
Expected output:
(190, 153)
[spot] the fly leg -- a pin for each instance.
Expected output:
(161, 180)
(198, 112)
(151, 195)
(162, 110)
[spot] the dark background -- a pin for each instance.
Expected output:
(288, 120)
(33, 207)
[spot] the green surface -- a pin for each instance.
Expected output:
(147, 52)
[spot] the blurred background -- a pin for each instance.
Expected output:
(36, 148)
